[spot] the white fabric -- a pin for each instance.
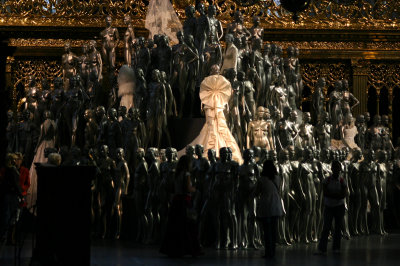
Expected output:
(162, 19)
(215, 92)
(126, 86)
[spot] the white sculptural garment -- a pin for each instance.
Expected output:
(39, 158)
(162, 19)
(215, 92)
(126, 86)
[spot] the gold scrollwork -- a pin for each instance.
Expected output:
(330, 71)
(321, 14)
(41, 69)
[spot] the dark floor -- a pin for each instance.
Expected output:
(371, 250)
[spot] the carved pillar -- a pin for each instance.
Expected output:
(360, 79)
(391, 111)
(5, 51)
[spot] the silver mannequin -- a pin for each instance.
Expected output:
(248, 176)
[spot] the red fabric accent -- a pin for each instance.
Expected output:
(25, 182)
(24, 179)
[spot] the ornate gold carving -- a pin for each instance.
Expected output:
(20, 42)
(330, 71)
(322, 14)
(360, 67)
(40, 69)
(314, 45)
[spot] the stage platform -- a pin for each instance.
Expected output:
(366, 250)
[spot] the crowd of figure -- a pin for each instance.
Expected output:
(123, 140)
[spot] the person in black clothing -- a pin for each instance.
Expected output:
(181, 237)
(269, 205)
(10, 195)
(335, 192)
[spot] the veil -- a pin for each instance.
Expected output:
(162, 19)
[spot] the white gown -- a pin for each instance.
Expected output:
(215, 92)
(161, 18)
(39, 158)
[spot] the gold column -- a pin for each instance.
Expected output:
(360, 79)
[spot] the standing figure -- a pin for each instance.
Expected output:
(279, 96)
(28, 134)
(257, 62)
(300, 85)
(285, 171)
(387, 144)
(323, 132)
(229, 55)
(382, 176)
(164, 55)
(47, 139)
(189, 25)
(114, 133)
(11, 132)
(141, 93)
(129, 39)
(349, 132)
(369, 193)
(348, 100)
(191, 60)
(152, 203)
(236, 28)
(200, 167)
(91, 130)
(121, 182)
(260, 132)
(143, 56)
(318, 99)
(69, 60)
(286, 130)
(291, 78)
(200, 37)
(355, 187)
(140, 192)
(105, 191)
(269, 205)
(83, 65)
(256, 32)
(335, 190)
(361, 132)
(95, 70)
(248, 177)
(222, 189)
(268, 73)
(248, 104)
(374, 134)
(335, 104)
(307, 176)
(110, 37)
(156, 110)
(307, 131)
(166, 189)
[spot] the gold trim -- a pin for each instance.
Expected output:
(322, 14)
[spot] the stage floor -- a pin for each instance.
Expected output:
(372, 250)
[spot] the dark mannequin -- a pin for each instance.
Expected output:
(152, 204)
(222, 189)
(368, 173)
(105, 190)
(121, 183)
(248, 175)
(308, 180)
(140, 193)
